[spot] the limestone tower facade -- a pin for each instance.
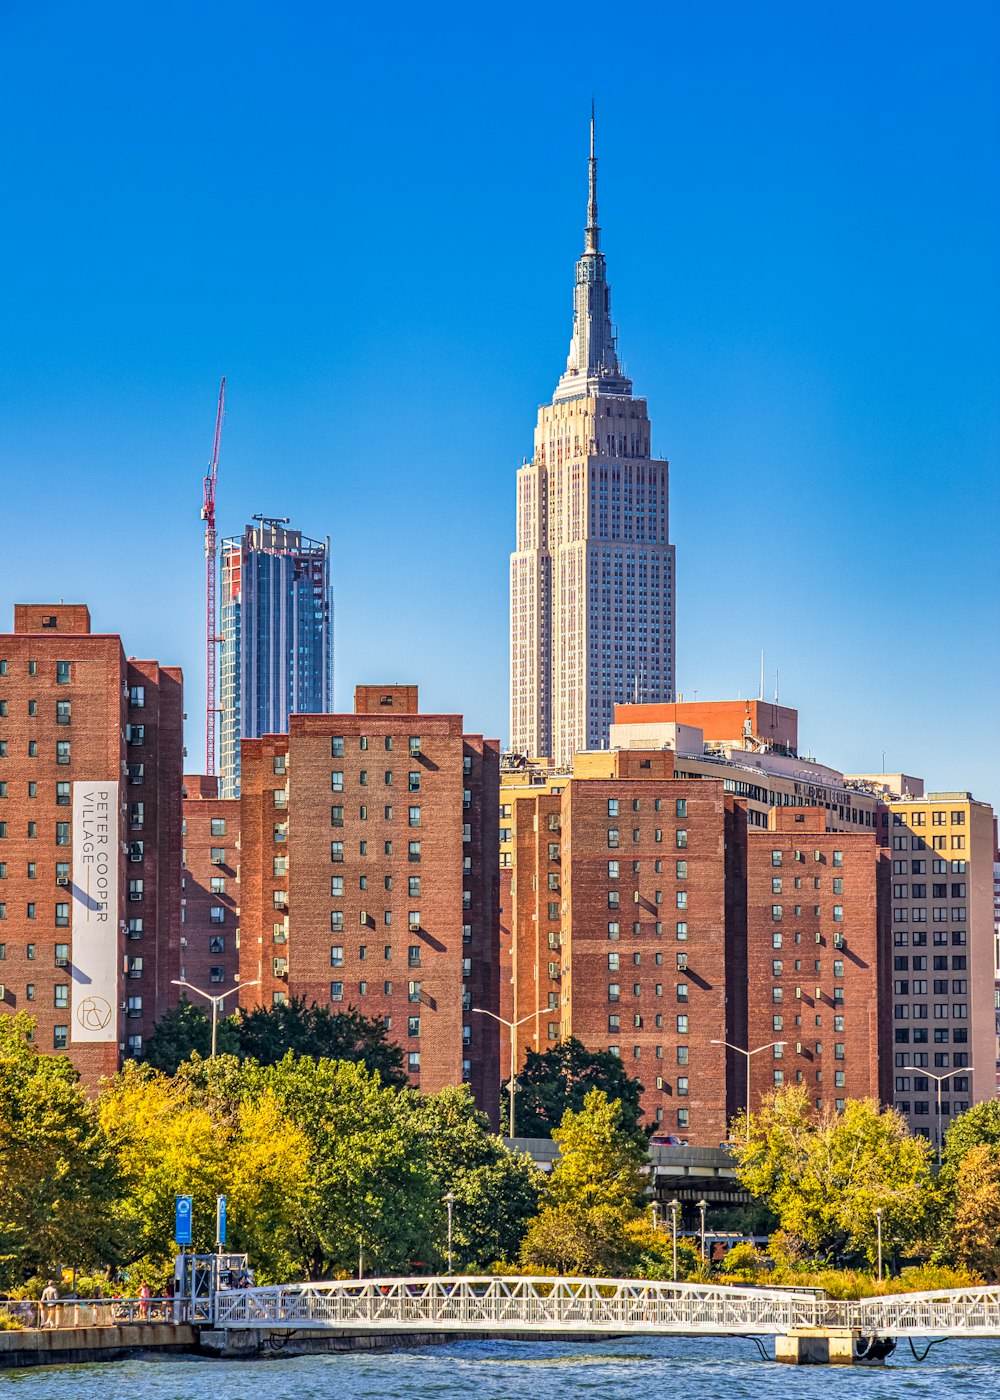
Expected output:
(592, 580)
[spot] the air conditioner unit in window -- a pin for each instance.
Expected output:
(62, 880)
(217, 860)
(62, 962)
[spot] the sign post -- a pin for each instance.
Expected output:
(182, 1219)
(220, 1222)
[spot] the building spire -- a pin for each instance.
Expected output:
(592, 365)
(593, 242)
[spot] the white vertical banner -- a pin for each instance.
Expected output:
(95, 912)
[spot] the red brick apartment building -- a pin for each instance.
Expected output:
(818, 952)
(369, 874)
(91, 751)
(627, 928)
(210, 953)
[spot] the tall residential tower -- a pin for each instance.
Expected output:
(277, 636)
(592, 575)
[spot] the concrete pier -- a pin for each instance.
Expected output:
(64, 1346)
(831, 1346)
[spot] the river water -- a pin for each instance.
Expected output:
(655, 1367)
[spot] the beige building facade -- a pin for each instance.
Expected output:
(593, 573)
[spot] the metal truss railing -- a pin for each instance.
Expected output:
(565, 1305)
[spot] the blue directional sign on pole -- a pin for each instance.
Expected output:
(182, 1219)
(220, 1220)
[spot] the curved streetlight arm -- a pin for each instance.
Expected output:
(512, 1027)
(748, 1054)
(216, 998)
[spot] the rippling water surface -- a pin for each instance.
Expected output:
(656, 1367)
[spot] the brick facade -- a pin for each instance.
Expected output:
(818, 958)
(72, 709)
(369, 878)
(209, 956)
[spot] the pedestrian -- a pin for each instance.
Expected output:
(145, 1293)
(50, 1299)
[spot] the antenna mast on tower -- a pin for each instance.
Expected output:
(212, 637)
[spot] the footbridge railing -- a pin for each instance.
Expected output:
(515, 1305)
(507, 1305)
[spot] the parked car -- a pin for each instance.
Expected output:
(667, 1140)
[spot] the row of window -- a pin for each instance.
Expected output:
(413, 747)
(337, 850)
(614, 837)
(680, 806)
(413, 814)
(62, 750)
(958, 1035)
(64, 670)
(64, 712)
(918, 843)
(917, 1011)
(62, 871)
(412, 955)
(31, 912)
(837, 857)
(60, 953)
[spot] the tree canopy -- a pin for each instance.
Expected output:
(58, 1174)
(560, 1078)
(267, 1034)
(825, 1174)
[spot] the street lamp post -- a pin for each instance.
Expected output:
(512, 1027)
(675, 1206)
(748, 1054)
(656, 1220)
(878, 1227)
(702, 1206)
(449, 1201)
(967, 1069)
(215, 998)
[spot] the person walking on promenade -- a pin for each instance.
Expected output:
(50, 1298)
(145, 1293)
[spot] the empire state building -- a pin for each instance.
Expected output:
(592, 575)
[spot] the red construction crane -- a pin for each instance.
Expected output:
(212, 637)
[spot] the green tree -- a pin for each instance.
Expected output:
(267, 1034)
(58, 1174)
(824, 1175)
(496, 1191)
(565, 1240)
(593, 1195)
(186, 1030)
(371, 1188)
(213, 1129)
(979, 1126)
(975, 1234)
(560, 1078)
(601, 1161)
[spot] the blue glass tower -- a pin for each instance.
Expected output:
(277, 636)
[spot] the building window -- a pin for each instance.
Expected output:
(218, 826)
(63, 712)
(279, 765)
(414, 816)
(336, 991)
(337, 747)
(413, 991)
(60, 1037)
(217, 915)
(62, 916)
(413, 1061)
(682, 1025)
(413, 850)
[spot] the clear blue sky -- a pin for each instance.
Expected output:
(367, 218)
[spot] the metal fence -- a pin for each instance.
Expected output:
(94, 1312)
(505, 1305)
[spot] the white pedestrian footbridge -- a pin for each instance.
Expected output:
(561, 1307)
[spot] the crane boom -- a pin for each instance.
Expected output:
(211, 617)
